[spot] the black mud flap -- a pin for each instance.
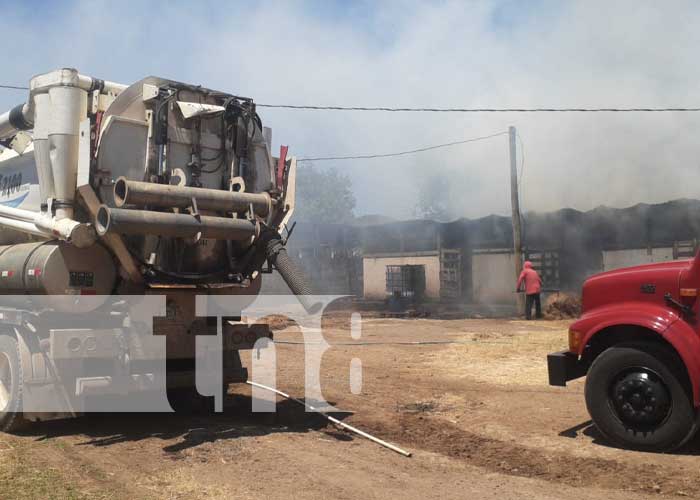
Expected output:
(564, 366)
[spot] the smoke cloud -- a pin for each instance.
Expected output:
(464, 54)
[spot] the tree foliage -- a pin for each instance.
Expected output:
(323, 196)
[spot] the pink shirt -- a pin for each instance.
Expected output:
(533, 282)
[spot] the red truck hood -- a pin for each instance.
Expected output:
(646, 283)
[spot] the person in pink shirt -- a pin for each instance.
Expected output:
(533, 286)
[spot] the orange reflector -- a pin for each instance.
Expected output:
(574, 340)
(689, 292)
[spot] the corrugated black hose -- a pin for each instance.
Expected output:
(292, 275)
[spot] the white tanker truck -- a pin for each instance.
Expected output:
(153, 188)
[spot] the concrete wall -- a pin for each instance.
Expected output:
(493, 278)
(374, 273)
(616, 259)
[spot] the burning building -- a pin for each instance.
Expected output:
(471, 261)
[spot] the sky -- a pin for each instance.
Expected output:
(500, 53)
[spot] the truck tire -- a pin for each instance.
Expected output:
(637, 397)
(11, 383)
(187, 401)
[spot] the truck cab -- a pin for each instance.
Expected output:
(638, 344)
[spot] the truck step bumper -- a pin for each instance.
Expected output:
(106, 385)
(564, 366)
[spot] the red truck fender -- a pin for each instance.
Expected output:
(660, 320)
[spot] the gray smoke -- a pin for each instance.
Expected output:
(501, 53)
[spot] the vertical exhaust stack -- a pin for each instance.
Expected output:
(56, 106)
(68, 109)
(42, 114)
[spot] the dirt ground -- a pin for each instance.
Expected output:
(478, 416)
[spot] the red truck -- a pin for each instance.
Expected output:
(638, 343)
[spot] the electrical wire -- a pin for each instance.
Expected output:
(402, 153)
(458, 110)
(480, 110)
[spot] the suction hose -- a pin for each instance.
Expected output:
(296, 281)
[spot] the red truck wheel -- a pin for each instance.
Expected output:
(637, 398)
(10, 385)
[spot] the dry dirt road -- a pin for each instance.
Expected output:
(478, 416)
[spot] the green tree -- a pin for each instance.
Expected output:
(323, 196)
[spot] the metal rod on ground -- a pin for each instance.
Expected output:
(334, 420)
(417, 342)
(515, 205)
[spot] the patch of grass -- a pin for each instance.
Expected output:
(21, 479)
(59, 444)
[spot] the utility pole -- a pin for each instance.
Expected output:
(515, 205)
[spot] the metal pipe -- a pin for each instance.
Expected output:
(333, 419)
(20, 117)
(18, 213)
(127, 192)
(79, 234)
(125, 221)
(69, 77)
(6, 128)
(104, 86)
(23, 226)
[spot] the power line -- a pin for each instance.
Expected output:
(402, 153)
(479, 110)
(455, 110)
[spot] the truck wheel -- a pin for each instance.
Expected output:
(636, 397)
(187, 401)
(11, 381)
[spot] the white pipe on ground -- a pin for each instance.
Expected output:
(335, 420)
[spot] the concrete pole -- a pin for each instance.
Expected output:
(515, 205)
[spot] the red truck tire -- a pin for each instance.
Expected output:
(637, 396)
